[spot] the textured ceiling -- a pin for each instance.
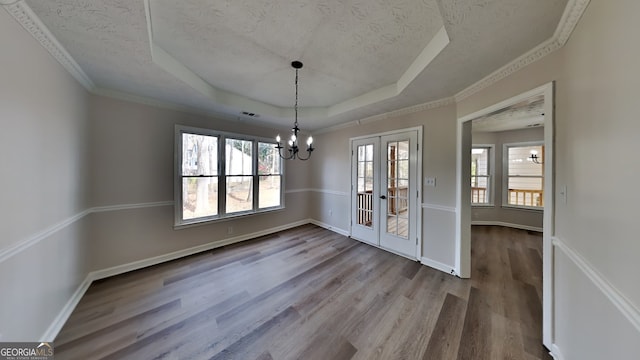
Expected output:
(525, 114)
(362, 58)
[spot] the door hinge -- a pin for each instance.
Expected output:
(416, 241)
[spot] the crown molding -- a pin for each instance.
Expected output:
(30, 22)
(572, 14)
(392, 114)
(20, 11)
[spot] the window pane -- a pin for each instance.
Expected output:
(403, 150)
(199, 197)
(525, 191)
(369, 152)
(239, 157)
(520, 162)
(480, 161)
(269, 191)
(268, 159)
(199, 154)
(403, 169)
(239, 194)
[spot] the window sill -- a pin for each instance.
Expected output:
(524, 208)
(210, 221)
(483, 205)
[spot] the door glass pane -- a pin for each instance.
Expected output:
(397, 188)
(365, 185)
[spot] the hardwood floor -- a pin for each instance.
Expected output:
(308, 293)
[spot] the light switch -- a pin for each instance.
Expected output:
(563, 194)
(429, 181)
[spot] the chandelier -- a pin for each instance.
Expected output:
(292, 148)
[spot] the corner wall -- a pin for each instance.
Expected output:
(497, 214)
(331, 177)
(595, 251)
(43, 185)
(131, 185)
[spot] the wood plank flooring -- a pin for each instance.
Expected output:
(308, 293)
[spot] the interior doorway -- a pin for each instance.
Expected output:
(385, 189)
(464, 195)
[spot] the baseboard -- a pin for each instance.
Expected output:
(329, 227)
(62, 317)
(505, 224)
(140, 264)
(438, 265)
(555, 352)
(57, 324)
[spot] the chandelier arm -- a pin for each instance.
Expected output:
(308, 156)
(290, 157)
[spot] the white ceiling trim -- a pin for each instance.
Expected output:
(433, 48)
(21, 12)
(392, 114)
(170, 64)
(30, 22)
(572, 14)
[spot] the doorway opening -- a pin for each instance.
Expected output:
(543, 198)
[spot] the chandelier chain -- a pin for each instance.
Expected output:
(296, 105)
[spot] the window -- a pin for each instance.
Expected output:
(525, 178)
(220, 175)
(481, 175)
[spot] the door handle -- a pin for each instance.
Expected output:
(383, 197)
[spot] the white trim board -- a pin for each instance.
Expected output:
(329, 227)
(62, 317)
(22, 245)
(555, 352)
(21, 12)
(624, 305)
(505, 224)
(438, 266)
(47, 232)
(439, 207)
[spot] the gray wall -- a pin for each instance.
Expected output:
(596, 246)
(596, 243)
(331, 173)
(132, 176)
(529, 219)
(43, 184)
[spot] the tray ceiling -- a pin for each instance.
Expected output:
(362, 58)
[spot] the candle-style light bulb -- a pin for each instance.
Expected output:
(309, 141)
(293, 137)
(278, 138)
(290, 142)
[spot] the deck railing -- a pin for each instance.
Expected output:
(365, 208)
(395, 196)
(525, 197)
(522, 197)
(478, 195)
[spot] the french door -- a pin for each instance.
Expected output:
(384, 192)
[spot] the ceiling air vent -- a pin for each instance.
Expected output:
(250, 114)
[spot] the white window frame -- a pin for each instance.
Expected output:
(491, 173)
(179, 222)
(505, 175)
